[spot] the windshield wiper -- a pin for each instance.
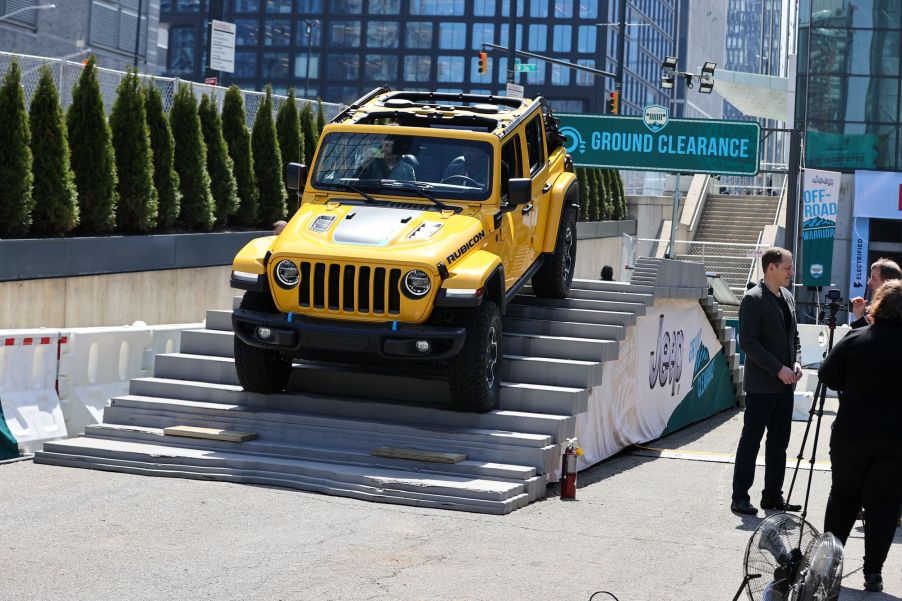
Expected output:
(346, 186)
(420, 188)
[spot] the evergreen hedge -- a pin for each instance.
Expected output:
(308, 130)
(165, 177)
(137, 208)
(267, 163)
(238, 139)
(191, 161)
(56, 201)
(16, 178)
(219, 163)
(288, 129)
(583, 179)
(619, 202)
(320, 118)
(606, 206)
(93, 161)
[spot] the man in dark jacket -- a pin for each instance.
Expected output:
(882, 271)
(770, 340)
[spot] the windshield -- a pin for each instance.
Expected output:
(375, 162)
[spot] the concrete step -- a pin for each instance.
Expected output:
(578, 303)
(216, 343)
(560, 347)
(611, 286)
(605, 295)
(619, 318)
(330, 452)
(219, 320)
(293, 427)
(563, 328)
(450, 492)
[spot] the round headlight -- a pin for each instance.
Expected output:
(287, 274)
(417, 283)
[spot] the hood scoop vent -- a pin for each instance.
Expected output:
(373, 226)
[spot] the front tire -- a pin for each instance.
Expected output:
(554, 277)
(260, 370)
(475, 373)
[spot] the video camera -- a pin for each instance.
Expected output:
(833, 302)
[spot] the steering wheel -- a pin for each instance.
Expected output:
(466, 179)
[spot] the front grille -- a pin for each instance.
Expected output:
(357, 289)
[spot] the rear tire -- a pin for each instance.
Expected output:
(554, 277)
(475, 373)
(260, 370)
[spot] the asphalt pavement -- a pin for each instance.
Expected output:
(644, 527)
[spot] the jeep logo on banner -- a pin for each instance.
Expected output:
(666, 362)
(656, 117)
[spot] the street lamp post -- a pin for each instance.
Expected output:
(22, 10)
(138, 32)
(309, 24)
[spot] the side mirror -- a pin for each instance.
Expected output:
(296, 176)
(519, 191)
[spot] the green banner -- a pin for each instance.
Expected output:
(712, 391)
(655, 142)
(819, 206)
(8, 447)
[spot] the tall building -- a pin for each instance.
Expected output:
(105, 28)
(338, 49)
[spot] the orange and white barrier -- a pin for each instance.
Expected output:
(96, 364)
(28, 395)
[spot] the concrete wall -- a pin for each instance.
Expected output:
(650, 212)
(155, 297)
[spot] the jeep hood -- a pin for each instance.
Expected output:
(405, 233)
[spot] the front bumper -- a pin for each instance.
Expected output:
(310, 338)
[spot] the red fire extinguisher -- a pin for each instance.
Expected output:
(568, 469)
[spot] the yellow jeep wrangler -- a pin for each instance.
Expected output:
(422, 216)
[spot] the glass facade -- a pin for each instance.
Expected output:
(428, 44)
(849, 83)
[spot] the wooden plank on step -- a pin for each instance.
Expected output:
(209, 433)
(419, 455)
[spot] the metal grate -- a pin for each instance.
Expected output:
(353, 289)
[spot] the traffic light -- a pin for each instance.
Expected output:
(614, 102)
(483, 62)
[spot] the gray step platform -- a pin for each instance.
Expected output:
(320, 434)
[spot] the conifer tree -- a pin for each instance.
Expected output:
(320, 118)
(308, 130)
(622, 210)
(238, 140)
(606, 206)
(583, 179)
(593, 194)
(16, 178)
(288, 128)
(267, 162)
(56, 201)
(91, 152)
(137, 208)
(219, 163)
(165, 177)
(618, 206)
(191, 161)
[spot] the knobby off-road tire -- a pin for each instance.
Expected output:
(260, 370)
(554, 277)
(475, 373)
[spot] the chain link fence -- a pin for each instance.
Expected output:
(66, 74)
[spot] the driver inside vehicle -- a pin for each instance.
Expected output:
(469, 169)
(386, 162)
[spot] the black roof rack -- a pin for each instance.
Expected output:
(434, 98)
(359, 103)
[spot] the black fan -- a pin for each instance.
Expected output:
(777, 568)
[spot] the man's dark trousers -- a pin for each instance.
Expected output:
(774, 412)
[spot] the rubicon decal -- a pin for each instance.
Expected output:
(465, 248)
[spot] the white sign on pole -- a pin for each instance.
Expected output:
(514, 90)
(222, 47)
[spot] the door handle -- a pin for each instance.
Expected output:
(527, 208)
(546, 187)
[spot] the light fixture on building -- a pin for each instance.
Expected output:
(706, 81)
(668, 72)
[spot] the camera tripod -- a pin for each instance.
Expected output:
(817, 407)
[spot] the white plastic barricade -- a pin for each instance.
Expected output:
(814, 339)
(31, 406)
(95, 365)
(165, 339)
(801, 407)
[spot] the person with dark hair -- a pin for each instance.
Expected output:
(607, 274)
(866, 443)
(386, 163)
(770, 339)
(882, 270)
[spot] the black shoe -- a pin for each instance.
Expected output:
(779, 504)
(873, 583)
(743, 507)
